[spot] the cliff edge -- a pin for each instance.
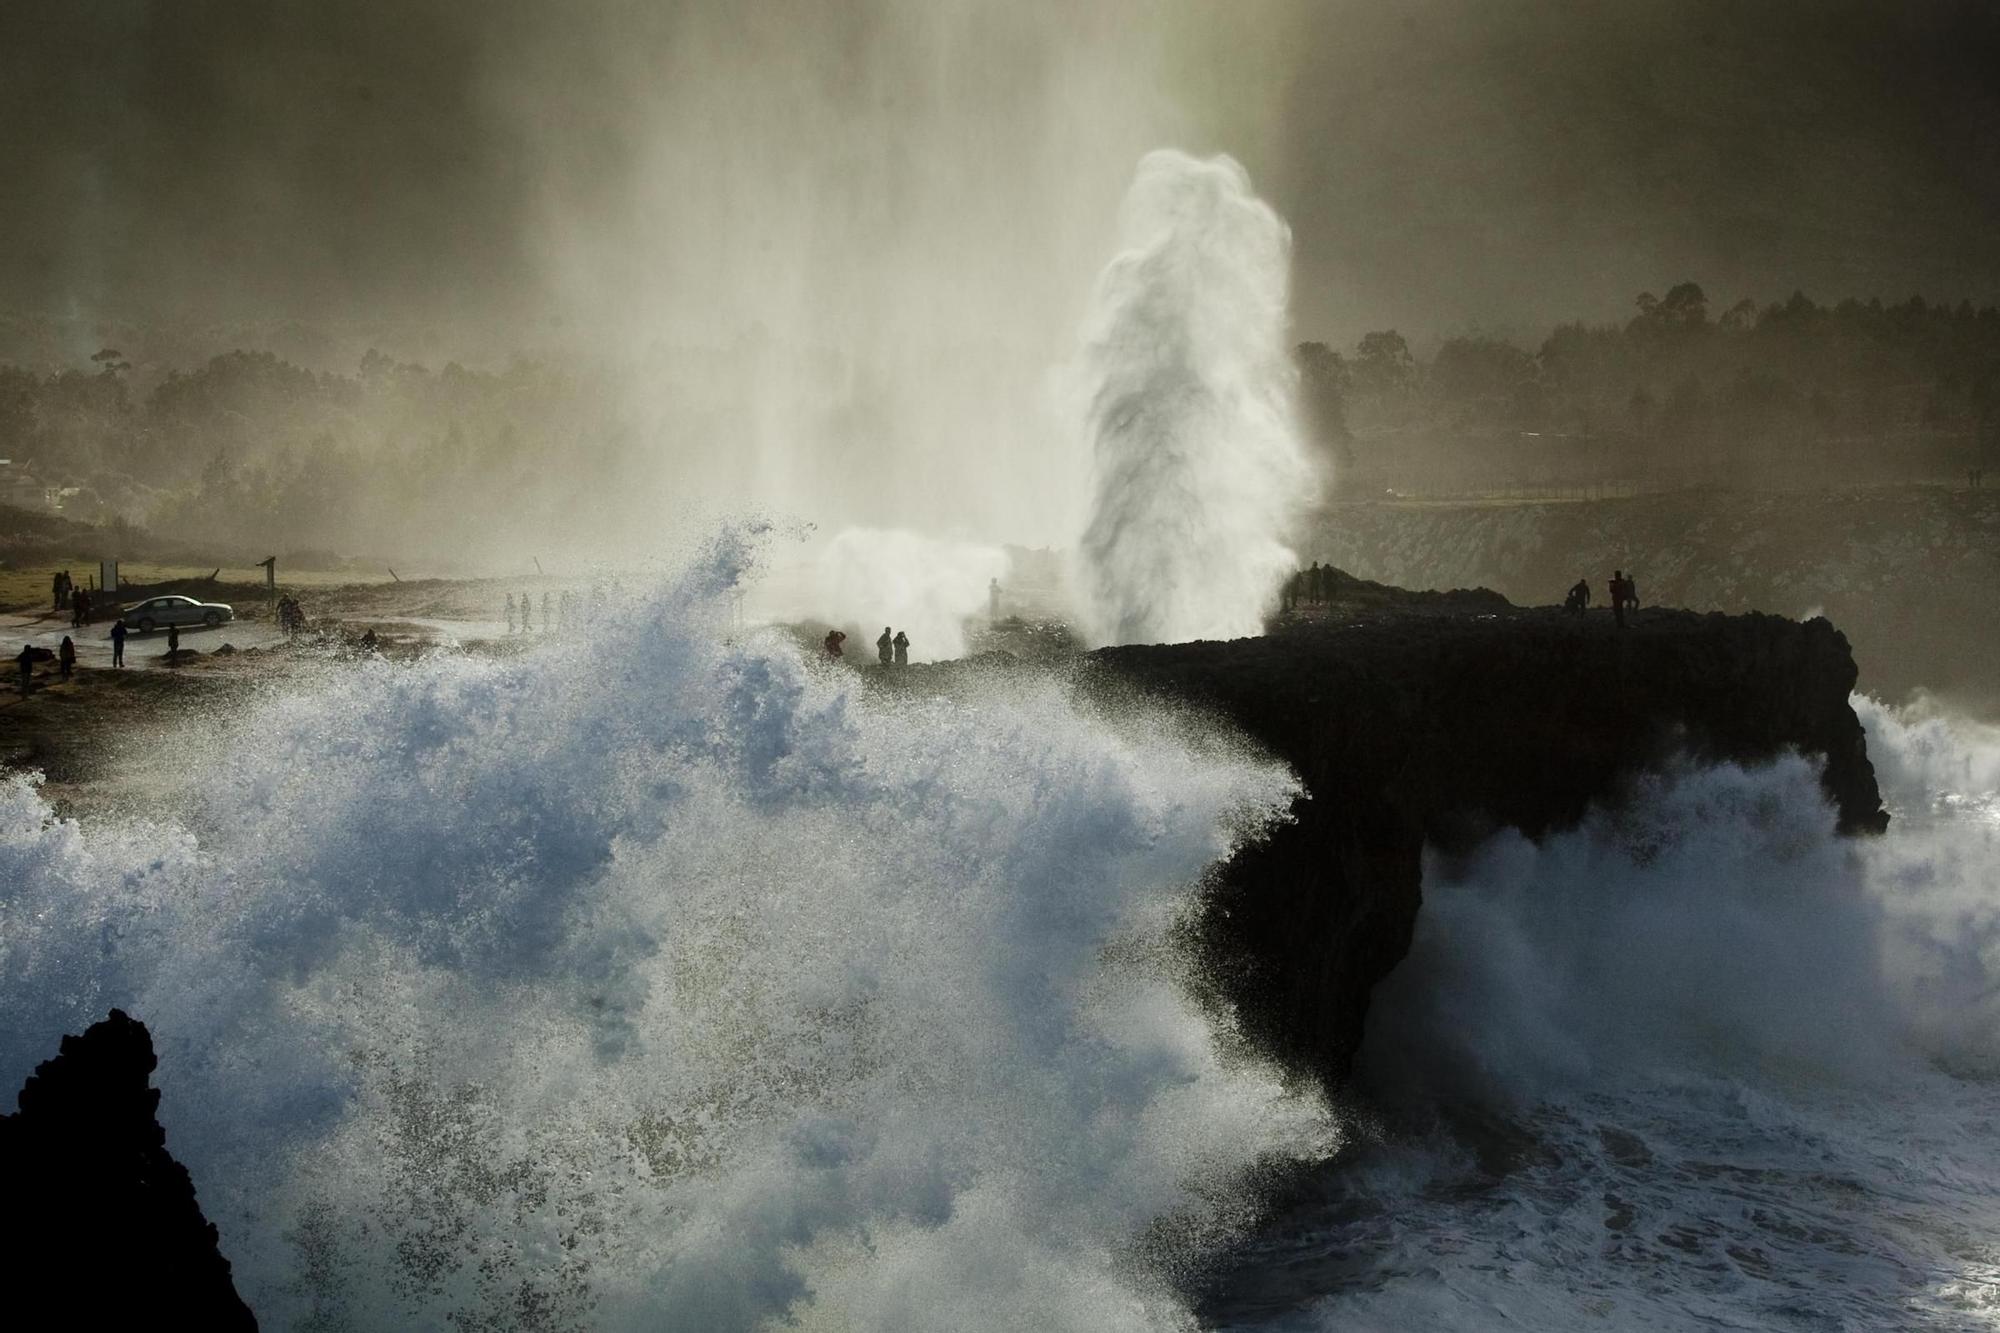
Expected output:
(1440, 717)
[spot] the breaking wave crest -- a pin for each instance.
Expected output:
(1697, 1063)
(672, 981)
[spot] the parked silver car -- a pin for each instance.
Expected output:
(174, 609)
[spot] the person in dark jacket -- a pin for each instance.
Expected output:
(118, 642)
(902, 648)
(26, 661)
(66, 657)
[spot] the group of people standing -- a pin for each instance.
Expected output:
(65, 654)
(558, 612)
(1624, 596)
(890, 649)
(1309, 586)
(77, 601)
(896, 650)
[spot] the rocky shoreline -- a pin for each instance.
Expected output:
(1417, 719)
(1412, 719)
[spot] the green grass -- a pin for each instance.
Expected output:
(27, 588)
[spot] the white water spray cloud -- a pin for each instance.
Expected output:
(1715, 922)
(666, 982)
(1185, 388)
(1742, 1067)
(927, 587)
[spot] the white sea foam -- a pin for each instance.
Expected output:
(1708, 1065)
(1185, 386)
(669, 982)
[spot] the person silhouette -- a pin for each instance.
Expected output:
(884, 646)
(902, 644)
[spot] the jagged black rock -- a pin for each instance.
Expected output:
(102, 1227)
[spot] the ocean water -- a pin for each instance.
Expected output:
(1698, 1064)
(669, 981)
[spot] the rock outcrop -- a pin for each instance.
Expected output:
(1908, 572)
(1439, 718)
(102, 1227)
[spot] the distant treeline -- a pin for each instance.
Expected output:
(254, 455)
(1792, 394)
(249, 454)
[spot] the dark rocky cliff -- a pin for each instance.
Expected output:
(101, 1228)
(1440, 717)
(1907, 572)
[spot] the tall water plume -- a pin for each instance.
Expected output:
(1185, 391)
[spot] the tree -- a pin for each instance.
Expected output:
(1685, 305)
(1686, 411)
(1683, 310)
(1383, 364)
(1324, 380)
(1643, 408)
(1479, 371)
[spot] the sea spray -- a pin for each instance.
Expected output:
(928, 587)
(670, 981)
(1701, 1063)
(1185, 389)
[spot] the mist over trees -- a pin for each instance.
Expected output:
(249, 453)
(1790, 394)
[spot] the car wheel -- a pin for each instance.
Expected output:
(211, 619)
(146, 625)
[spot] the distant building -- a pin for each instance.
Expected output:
(20, 488)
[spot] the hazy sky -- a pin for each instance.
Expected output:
(546, 171)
